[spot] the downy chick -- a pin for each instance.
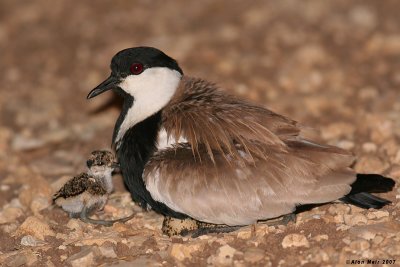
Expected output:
(88, 192)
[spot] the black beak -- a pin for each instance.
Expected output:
(115, 165)
(89, 163)
(108, 84)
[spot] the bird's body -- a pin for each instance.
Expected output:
(89, 191)
(82, 191)
(231, 162)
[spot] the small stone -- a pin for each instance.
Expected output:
(369, 147)
(378, 214)
(345, 144)
(295, 240)
(224, 256)
(254, 255)
(10, 214)
(377, 240)
(30, 241)
(23, 143)
(83, 258)
(319, 238)
(39, 203)
(183, 251)
(35, 227)
(359, 245)
(370, 164)
(364, 232)
(356, 219)
(244, 234)
(108, 251)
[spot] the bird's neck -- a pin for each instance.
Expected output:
(134, 150)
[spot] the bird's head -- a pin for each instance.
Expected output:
(146, 77)
(101, 162)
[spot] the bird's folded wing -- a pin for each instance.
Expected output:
(236, 194)
(73, 187)
(204, 115)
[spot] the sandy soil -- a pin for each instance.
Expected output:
(333, 65)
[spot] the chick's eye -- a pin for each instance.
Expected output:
(136, 68)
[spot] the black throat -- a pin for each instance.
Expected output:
(134, 150)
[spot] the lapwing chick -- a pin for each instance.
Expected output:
(88, 192)
(226, 161)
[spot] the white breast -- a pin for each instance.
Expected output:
(164, 142)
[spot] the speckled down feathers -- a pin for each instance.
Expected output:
(79, 184)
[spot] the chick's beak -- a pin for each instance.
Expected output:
(110, 83)
(115, 165)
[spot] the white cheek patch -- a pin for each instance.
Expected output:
(151, 90)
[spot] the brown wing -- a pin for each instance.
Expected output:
(96, 188)
(233, 193)
(206, 116)
(73, 187)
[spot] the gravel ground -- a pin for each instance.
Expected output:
(333, 65)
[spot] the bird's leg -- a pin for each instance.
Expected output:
(283, 220)
(85, 218)
(209, 228)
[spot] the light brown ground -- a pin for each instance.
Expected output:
(333, 65)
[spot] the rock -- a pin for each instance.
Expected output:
(35, 227)
(254, 255)
(377, 214)
(244, 234)
(359, 245)
(369, 147)
(224, 256)
(356, 219)
(34, 187)
(23, 258)
(345, 144)
(365, 232)
(23, 143)
(370, 164)
(39, 203)
(30, 241)
(83, 258)
(10, 214)
(295, 240)
(319, 238)
(107, 250)
(183, 251)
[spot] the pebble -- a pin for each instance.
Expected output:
(319, 238)
(224, 256)
(364, 232)
(10, 214)
(359, 245)
(356, 219)
(36, 227)
(377, 214)
(254, 255)
(244, 234)
(107, 251)
(369, 147)
(23, 143)
(183, 251)
(370, 164)
(83, 258)
(295, 240)
(30, 241)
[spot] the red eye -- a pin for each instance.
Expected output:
(136, 68)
